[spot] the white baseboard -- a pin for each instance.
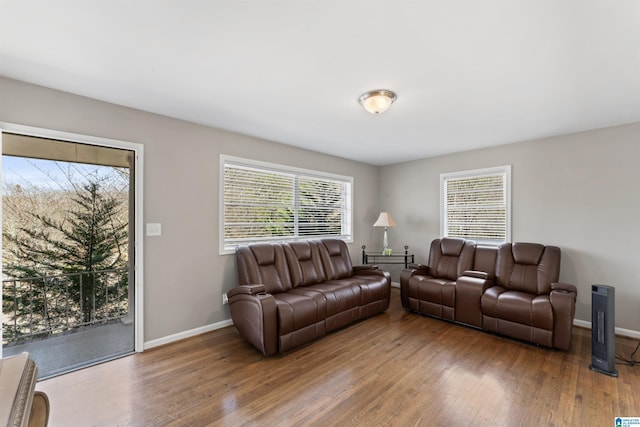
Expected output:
(395, 284)
(618, 331)
(223, 324)
(187, 334)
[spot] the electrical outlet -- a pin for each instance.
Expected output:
(225, 300)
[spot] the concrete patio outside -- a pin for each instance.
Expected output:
(66, 352)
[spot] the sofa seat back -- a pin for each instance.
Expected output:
(450, 257)
(527, 267)
(335, 259)
(265, 264)
(305, 263)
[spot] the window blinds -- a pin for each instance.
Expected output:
(476, 206)
(271, 204)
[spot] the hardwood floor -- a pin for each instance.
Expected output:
(396, 368)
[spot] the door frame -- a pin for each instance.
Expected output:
(138, 257)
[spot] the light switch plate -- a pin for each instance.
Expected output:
(154, 229)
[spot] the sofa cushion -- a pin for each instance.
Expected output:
(335, 259)
(527, 253)
(305, 264)
(342, 301)
(339, 295)
(450, 257)
(373, 288)
(451, 247)
(527, 267)
(433, 289)
(263, 263)
(518, 307)
(295, 311)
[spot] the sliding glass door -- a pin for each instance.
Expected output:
(68, 285)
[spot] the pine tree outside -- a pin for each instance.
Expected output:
(65, 256)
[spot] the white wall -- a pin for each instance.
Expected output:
(579, 192)
(184, 274)
(575, 191)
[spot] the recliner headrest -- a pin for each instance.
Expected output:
(302, 250)
(334, 246)
(527, 253)
(264, 253)
(451, 246)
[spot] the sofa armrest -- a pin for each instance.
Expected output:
(476, 274)
(373, 272)
(469, 290)
(369, 272)
(254, 314)
(246, 290)
(563, 302)
(563, 287)
(418, 268)
(413, 270)
(359, 268)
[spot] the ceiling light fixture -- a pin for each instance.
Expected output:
(377, 101)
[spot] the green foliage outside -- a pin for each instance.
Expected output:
(264, 204)
(68, 247)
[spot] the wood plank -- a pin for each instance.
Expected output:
(397, 368)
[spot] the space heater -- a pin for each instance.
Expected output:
(603, 358)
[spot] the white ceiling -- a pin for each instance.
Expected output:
(468, 73)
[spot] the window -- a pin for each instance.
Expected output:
(268, 202)
(476, 205)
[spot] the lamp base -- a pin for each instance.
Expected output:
(385, 243)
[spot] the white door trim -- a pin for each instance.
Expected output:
(138, 206)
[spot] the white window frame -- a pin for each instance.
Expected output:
(347, 223)
(476, 173)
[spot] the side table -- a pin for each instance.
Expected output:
(379, 258)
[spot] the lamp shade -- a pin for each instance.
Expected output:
(385, 220)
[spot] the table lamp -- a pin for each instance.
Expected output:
(385, 220)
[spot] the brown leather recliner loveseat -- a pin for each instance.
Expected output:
(292, 293)
(512, 290)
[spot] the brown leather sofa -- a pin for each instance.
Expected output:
(512, 290)
(292, 293)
